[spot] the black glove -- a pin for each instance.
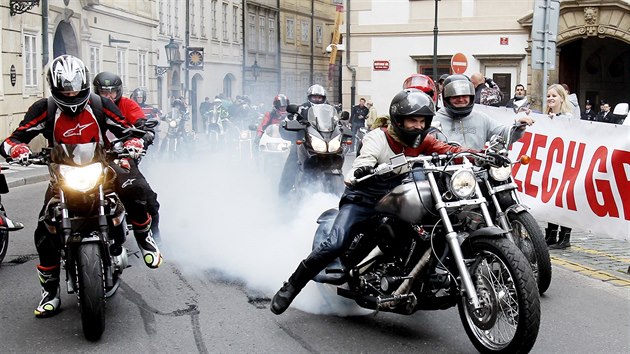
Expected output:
(498, 159)
(363, 171)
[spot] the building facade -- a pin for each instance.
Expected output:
(495, 36)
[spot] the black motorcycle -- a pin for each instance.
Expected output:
(88, 218)
(426, 249)
(321, 148)
(7, 225)
(178, 138)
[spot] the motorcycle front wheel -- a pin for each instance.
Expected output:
(4, 244)
(509, 318)
(91, 290)
(531, 241)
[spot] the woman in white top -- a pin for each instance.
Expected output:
(558, 106)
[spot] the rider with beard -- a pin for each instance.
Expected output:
(411, 112)
(275, 116)
(74, 116)
(460, 123)
(316, 94)
(109, 86)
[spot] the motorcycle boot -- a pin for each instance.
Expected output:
(290, 289)
(150, 252)
(50, 303)
(551, 234)
(564, 239)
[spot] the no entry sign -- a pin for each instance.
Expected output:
(459, 63)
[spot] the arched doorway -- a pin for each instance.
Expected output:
(65, 40)
(195, 98)
(175, 87)
(228, 83)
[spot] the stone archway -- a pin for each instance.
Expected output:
(593, 51)
(65, 40)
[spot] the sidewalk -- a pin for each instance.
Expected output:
(596, 256)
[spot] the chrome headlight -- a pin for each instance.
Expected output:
(81, 178)
(244, 135)
(334, 144)
(318, 144)
(463, 183)
(172, 124)
(500, 173)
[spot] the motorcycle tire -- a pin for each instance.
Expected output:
(531, 241)
(508, 294)
(91, 290)
(4, 244)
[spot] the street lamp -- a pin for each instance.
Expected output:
(172, 52)
(255, 70)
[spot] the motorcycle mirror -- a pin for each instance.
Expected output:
(151, 123)
(293, 108)
(293, 125)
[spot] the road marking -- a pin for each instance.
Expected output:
(590, 272)
(599, 253)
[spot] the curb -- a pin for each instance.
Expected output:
(22, 181)
(590, 272)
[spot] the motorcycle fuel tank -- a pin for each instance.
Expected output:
(410, 201)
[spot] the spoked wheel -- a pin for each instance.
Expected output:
(509, 317)
(4, 244)
(91, 290)
(531, 241)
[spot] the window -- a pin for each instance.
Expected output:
(202, 17)
(142, 69)
(193, 21)
(30, 60)
(251, 36)
(213, 10)
(272, 35)
(235, 23)
(305, 31)
(121, 64)
(225, 22)
(161, 16)
(290, 29)
(95, 59)
(319, 35)
(176, 19)
(261, 32)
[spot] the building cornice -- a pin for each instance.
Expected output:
(117, 13)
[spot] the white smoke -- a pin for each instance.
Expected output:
(224, 215)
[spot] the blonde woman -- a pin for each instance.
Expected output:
(558, 106)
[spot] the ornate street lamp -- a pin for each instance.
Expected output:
(255, 70)
(172, 53)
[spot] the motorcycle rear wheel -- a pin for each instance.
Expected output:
(509, 318)
(4, 244)
(531, 241)
(91, 290)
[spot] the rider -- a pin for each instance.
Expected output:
(423, 83)
(275, 116)
(109, 85)
(460, 123)
(411, 112)
(316, 94)
(139, 95)
(73, 117)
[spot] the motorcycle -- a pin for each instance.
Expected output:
(426, 249)
(512, 215)
(321, 150)
(177, 138)
(7, 225)
(272, 149)
(88, 218)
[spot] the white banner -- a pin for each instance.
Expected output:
(579, 174)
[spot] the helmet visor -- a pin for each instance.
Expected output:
(459, 88)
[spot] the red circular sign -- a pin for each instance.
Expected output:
(459, 63)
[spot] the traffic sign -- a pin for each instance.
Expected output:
(459, 63)
(380, 65)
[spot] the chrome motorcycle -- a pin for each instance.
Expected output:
(426, 249)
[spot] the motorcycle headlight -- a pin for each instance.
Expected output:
(81, 178)
(334, 144)
(244, 135)
(500, 173)
(172, 124)
(463, 183)
(318, 144)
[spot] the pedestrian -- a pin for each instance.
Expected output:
(440, 89)
(520, 101)
(604, 115)
(487, 92)
(588, 113)
(204, 109)
(357, 119)
(558, 105)
(372, 115)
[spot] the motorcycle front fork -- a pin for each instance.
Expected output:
(500, 214)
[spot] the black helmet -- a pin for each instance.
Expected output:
(108, 82)
(411, 103)
(179, 104)
(280, 101)
(316, 90)
(458, 85)
(139, 95)
(67, 74)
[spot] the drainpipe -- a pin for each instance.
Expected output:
(312, 39)
(278, 51)
(354, 71)
(244, 45)
(44, 33)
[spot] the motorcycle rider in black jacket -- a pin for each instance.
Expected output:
(411, 112)
(79, 117)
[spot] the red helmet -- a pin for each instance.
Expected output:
(280, 102)
(422, 83)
